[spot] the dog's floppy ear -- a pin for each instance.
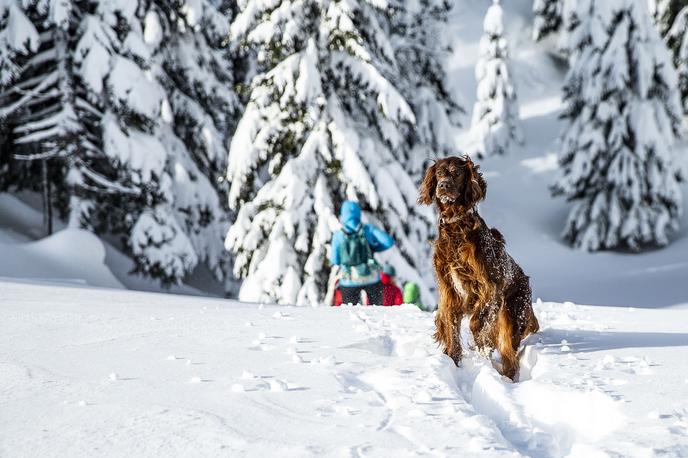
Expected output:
(476, 188)
(427, 187)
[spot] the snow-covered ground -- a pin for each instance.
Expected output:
(99, 372)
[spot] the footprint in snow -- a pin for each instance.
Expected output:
(628, 364)
(327, 361)
(259, 345)
(346, 410)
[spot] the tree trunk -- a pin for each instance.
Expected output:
(47, 200)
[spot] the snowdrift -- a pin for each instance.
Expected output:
(68, 256)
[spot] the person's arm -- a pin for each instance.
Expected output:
(334, 254)
(378, 239)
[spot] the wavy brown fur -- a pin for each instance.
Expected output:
(476, 276)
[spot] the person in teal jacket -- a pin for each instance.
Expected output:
(352, 250)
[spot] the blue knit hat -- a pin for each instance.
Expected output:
(389, 270)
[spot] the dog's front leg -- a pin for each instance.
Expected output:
(448, 320)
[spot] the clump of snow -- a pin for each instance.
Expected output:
(237, 388)
(17, 36)
(134, 88)
(126, 148)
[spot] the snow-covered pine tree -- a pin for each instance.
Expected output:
(677, 40)
(39, 109)
(94, 99)
(118, 77)
(617, 157)
(495, 121)
(671, 17)
(325, 122)
(664, 12)
(421, 47)
(18, 40)
(190, 58)
(548, 17)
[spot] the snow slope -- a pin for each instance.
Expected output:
(75, 255)
(97, 372)
(67, 256)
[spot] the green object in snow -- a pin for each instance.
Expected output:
(412, 294)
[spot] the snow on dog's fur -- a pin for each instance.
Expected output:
(475, 274)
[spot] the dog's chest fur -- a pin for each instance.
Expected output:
(471, 254)
(458, 285)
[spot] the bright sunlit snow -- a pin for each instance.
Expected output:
(87, 371)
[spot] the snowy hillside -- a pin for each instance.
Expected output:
(86, 372)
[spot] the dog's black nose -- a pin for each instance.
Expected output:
(443, 185)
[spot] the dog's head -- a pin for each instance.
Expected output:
(453, 181)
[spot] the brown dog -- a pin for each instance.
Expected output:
(475, 274)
